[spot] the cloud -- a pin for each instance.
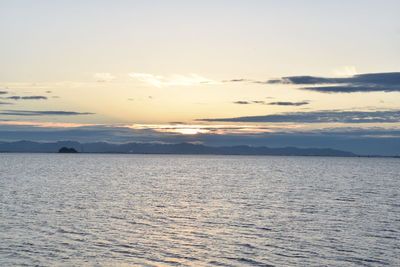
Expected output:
(243, 102)
(174, 128)
(346, 71)
(38, 97)
(103, 77)
(282, 103)
(236, 80)
(240, 102)
(42, 113)
(3, 92)
(352, 89)
(174, 80)
(278, 103)
(329, 116)
(46, 124)
(369, 82)
(5, 103)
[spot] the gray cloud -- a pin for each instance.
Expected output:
(42, 113)
(369, 82)
(278, 103)
(237, 80)
(36, 97)
(5, 103)
(240, 102)
(281, 103)
(3, 92)
(244, 102)
(351, 89)
(321, 117)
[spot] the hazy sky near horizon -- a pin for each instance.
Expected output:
(156, 62)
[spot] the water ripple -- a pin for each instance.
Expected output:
(164, 210)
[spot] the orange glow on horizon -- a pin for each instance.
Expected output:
(190, 131)
(182, 129)
(47, 124)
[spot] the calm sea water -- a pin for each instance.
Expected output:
(167, 210)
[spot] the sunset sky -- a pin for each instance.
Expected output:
(274, 73)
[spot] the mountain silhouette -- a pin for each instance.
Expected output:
(156, 148)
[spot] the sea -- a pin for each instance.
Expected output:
(198, 210)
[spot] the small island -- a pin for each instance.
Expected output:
(67, 150)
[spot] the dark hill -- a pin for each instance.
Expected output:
(155, 148)
(67, 150)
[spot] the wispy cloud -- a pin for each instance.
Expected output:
(46, 124)
(321, 117)
(36, 97)
(278, 103)
(283, 103)
(5, 103)
(237, 80)
(242, 102)
(173, 80)
(42, 113)
(346, 71)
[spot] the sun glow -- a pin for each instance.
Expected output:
(193, 129)
(190, 131)
(183, 129)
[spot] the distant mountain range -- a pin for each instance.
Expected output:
(157, 148)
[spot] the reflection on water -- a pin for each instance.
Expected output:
(168, 210)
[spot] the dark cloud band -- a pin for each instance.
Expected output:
(369, 82)
(42, 113)
(242, 102)
(281, 103)
(278, 103)
(321, 117)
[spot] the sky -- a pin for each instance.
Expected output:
(274, 73)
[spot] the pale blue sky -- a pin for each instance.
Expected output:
(66, 40)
